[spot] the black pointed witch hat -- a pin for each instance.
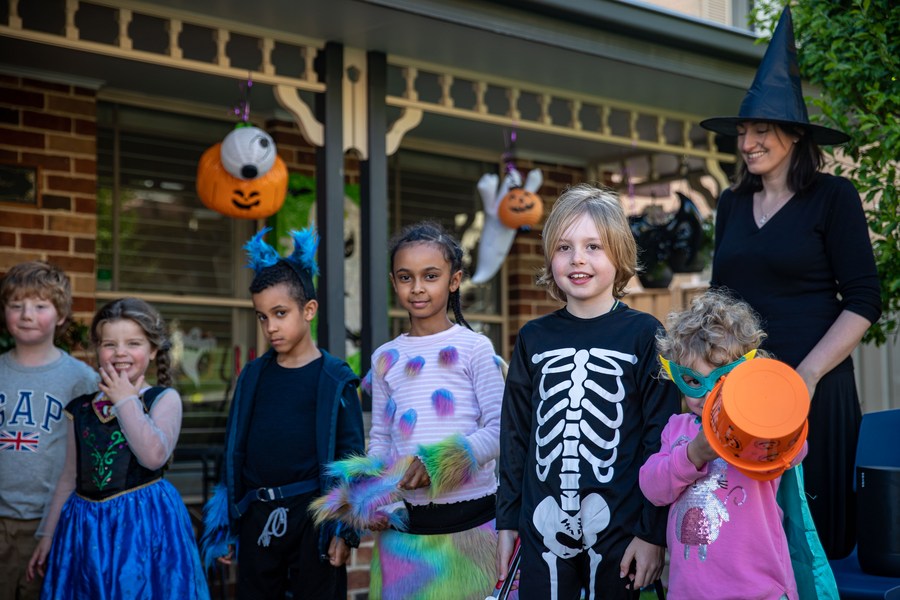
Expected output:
(776, 95)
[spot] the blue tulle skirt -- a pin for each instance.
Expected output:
(139, 545)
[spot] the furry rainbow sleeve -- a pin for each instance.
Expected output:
(215, 539)
(366, 487)
(450, 463)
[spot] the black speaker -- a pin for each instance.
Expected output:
(878, 520)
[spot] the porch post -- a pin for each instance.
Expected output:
(374, 216)
(330, 201)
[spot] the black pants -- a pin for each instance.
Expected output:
(290, 564)
(572, 575)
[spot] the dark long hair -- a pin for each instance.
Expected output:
(806, 161)
(149, 320)
(429, 232)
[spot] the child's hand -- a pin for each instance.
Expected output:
(506, 541)
(338, 552)
(228, 558)
(379, 522)
(699, 452)
(116, 386)
(38, 562)
(415, 477)
(648, 562)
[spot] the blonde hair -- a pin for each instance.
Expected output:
(602, 206)
(716, 328)
(40, 279)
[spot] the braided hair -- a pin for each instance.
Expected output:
(149, 320)
(429, 232)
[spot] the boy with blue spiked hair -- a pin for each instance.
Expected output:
(294, 410)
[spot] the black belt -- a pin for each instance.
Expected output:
(433, 519)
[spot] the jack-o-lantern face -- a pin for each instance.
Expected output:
(520, 208)
(222, 192)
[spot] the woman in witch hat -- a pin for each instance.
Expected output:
(794, 243)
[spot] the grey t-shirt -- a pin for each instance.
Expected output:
(33, 429)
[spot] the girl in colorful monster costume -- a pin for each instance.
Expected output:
(583, 409)
(435, 435)
(124, 533)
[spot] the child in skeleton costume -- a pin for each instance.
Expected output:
(583, 409)
(295, 409)
(435, 436)
(725, 533)
(124, 533)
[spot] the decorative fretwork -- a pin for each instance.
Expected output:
(517, 104)
(190, 41)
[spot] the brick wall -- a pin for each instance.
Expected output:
(53, 127)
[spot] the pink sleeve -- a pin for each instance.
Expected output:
(667, 473)
(151, 437)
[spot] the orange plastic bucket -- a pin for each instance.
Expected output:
(755, 417)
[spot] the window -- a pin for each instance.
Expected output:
(156, 241)
(443, 189)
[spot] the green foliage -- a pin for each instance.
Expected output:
(850, 51)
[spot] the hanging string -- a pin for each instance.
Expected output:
(242, 108)
(509, 155)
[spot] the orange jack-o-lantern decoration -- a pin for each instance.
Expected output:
(520, 208)
(248, 196)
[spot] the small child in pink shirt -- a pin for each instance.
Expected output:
(724, 533)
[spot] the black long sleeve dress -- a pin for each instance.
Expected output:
(812, 260)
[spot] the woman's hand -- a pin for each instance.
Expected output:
(116, 386)
(415, 477)
(38, 563)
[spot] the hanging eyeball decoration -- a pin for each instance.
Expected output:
(243, 176)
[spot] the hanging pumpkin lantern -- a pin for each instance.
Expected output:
(520, 208)
(242, 176)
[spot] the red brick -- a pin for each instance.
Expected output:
(55, 202)
(54, 162)
(20, 97)
(42, 120)
(85, 245)
(71, 184)
(86, 166)
(362, 555)
(85, 127)
(76, 145)
(9, 259)
(63, 223)
(9, 156)
(36, 241)
(9, 115)
(86, 205)
(9, 80)
(83, 91)
(17, 137)
(72, 263)
(83, 304)
(7, 239)
(45, 85)
(358, 579)
(19, 220)
(70, 105)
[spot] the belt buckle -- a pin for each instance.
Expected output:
(265, 494)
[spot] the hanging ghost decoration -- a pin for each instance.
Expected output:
(243, 176)
(496, 238)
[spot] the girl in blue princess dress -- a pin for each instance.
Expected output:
(115, 528)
